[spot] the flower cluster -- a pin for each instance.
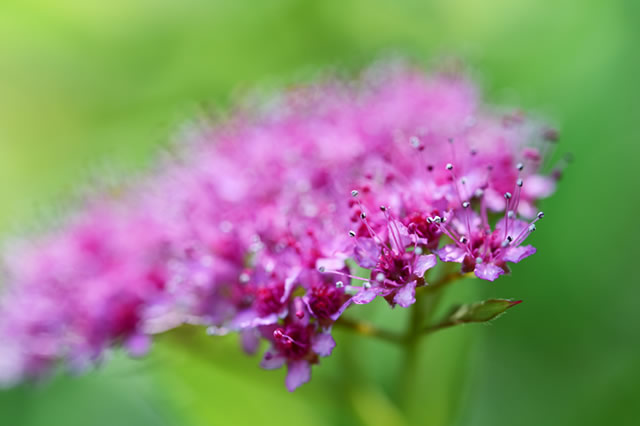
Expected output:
(249, 226)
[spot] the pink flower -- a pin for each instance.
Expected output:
(249, 226)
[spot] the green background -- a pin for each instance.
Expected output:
(90, 90)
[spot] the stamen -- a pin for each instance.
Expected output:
(528, 230)
(507, 197)
(339, 284)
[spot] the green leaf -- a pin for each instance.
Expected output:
(474, 312)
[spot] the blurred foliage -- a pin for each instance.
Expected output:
(93, 88)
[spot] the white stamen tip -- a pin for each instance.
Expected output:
(244, 277)
(540, 215)
(479, 193)
(449, 166)
(367, 285)
(463, 181)
(383, 208)
(520, 166)
(511, 214)
(418, 251)
(363, 215)
(321, 269)
(414, 141)
(465, 204)
(532, 227)
(339, 284)
(380, 277)
(352, 233)
(519, 182)
(354, 193)
(507, 195)
(463, 240)
(478, 260)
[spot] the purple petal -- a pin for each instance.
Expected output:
(330, 264)
(516, 254)
(339, 312)
(423, 263)
(270, 361)
(250, 319)
(488, 271)
(299, 372)
(366, 296)
(289, 283)
(366, 252)
(406, 296)
(138, 345)
(537, 186)
(451, 253)
(323, 344)
(250, 341)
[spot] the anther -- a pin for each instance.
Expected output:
(380, 277)
(509, 238)
(478, 260)
(532, 227)
(479, 192)
(383, 208)
(418, 251)
(519, 182)
(339, 284)
(540, 215)
(449, 166)
(354, 193)
(366, 285)
(352, 233)
(463, 181)
(463, 240)
(507, 195)
(321, 269)
(520, 166)
(511, 214)
(466, 204)
(363, 215)
(414, 141)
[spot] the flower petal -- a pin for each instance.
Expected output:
(270, 361)
(538, 186)
(366, 253)
(488, 271)
(451, 253)
(406, 296)
(138, 345)
(423, 263)
(323, 344)
(366, 296)
(249, 340)
(299, 372)
(516, 254)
